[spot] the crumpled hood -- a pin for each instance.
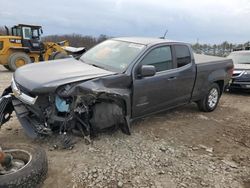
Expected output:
(242, 66)
(45, 77)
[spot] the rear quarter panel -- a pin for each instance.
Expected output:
(210, 72)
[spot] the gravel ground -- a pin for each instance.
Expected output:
(177, 148)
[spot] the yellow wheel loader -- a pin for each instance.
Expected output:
(22, 45)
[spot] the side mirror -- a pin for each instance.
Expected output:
(147, 71)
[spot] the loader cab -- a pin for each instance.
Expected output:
(30, 36)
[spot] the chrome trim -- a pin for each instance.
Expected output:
(5, 96)
(240, 72)
(22, 96)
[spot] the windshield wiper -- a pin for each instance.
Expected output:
(93, 64)
(98, 66)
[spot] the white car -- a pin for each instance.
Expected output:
(241, 74)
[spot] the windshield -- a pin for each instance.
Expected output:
(113, 55)
(240, 58)
(17, 32)
(35, 33)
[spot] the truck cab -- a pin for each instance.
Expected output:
(30, 35)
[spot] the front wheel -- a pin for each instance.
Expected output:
(210, 100)
(28, 167)
(17, 60)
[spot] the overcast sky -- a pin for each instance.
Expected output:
(187, 20)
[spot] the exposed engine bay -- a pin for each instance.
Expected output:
(71, 108)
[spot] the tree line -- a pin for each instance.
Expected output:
(2, 31)
(222, 49)
(78, 40)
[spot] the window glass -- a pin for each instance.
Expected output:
(17, 32)
(239, 57)
(182, 55)
(112, 54)
(35, 33)
(160, 57)
(27, 33)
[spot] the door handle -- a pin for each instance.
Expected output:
(172, 78)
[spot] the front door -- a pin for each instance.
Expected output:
(170, 86)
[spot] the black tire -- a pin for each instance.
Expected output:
(207, 104)
(7, 67)
(13, 59)
(31, 175)
(59, 55)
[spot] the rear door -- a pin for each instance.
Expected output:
(185, 75)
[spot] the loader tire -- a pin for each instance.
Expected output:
(59, 55)
(32, 174)
(17, 60)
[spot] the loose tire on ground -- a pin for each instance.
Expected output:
(17, 60)
(211, 100)
(31, 175)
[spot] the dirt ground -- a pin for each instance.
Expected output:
(177, 148)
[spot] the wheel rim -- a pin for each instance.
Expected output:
(21, 159)
(20, 62)
(213, 97)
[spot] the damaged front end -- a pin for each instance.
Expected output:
(6, 107)
(84, 108)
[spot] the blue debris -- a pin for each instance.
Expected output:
(61, 105)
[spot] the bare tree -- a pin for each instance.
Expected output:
(222, 49)
(2, 31)
(77, 40)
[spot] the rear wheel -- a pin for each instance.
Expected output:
(28, 167)
(17, 60)
(211, 100)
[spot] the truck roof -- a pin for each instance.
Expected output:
(145, 40)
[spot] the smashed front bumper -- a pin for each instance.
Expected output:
(13, 99)
(44, 114)
(22, 96)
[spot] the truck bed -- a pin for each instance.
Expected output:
(209, 68)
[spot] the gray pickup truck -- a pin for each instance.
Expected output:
(114, 83)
